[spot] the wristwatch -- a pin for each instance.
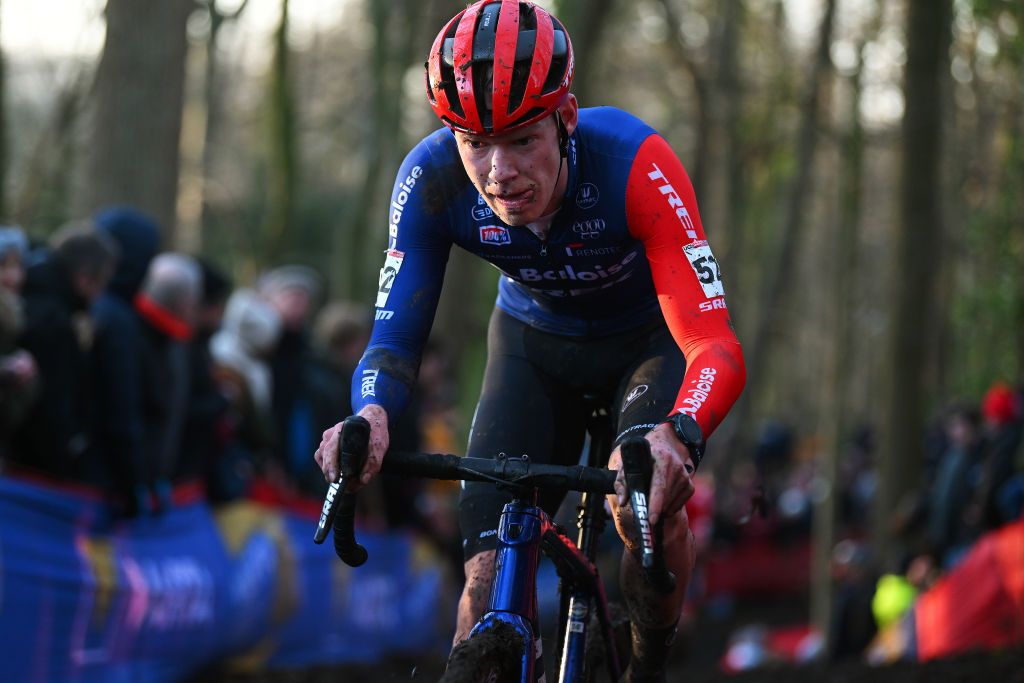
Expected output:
(689, 434)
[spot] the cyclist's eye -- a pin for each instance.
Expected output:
(524, 141)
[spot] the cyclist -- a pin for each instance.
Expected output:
(608, 286)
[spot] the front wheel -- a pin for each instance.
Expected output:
(491, 656)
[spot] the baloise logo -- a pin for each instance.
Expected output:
(589, 230)
(587, 196)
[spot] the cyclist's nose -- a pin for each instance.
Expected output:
(503, 166)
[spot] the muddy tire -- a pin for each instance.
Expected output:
(492, 656)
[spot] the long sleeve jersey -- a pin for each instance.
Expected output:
(626, 246)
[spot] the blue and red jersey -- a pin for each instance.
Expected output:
(626, 246)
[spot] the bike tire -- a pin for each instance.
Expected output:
(491, 656)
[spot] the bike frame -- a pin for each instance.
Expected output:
(524, 531)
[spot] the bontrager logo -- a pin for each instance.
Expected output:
(674, 201)
(638, 391)
(398, 202)
(587, 196)
(590, 229)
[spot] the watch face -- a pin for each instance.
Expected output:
(688, 429)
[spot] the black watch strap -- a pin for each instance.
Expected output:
(689, 433)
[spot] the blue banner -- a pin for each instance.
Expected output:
(84, 597)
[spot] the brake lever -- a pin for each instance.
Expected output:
(637, 466)
(352, 446)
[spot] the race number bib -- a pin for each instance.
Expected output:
(392, 264)
(705, 267)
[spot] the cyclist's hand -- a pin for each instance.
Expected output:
(671, 485)
(327, 454)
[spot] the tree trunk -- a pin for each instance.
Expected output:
(585, 20)
(137, 105)
(835, 423)
(917, 243)
(283, 170)
(778, 279)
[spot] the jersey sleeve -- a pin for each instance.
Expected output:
(662, 213)
(407, 290)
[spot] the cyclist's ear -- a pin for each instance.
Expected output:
(570, 113)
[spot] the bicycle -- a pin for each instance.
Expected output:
(504, 644)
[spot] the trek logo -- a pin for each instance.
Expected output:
(705, 267)
(587, 196)
(495, 234)
(698, 394)
(712, 305)
(384, 315)
(674, 202)
(638, 391)
(368, 384)
(640, 510)
(392, 264)
(332, 491)
(482, 212)
(589, 230)
(398, 202)
(570, 273)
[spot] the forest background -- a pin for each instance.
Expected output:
(859, 166)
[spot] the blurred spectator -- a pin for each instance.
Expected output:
(167, 303)
(1002, 428)
(17, 367)
(117, 361)
(240, 352)
(54, 437)
(853, 622)
(951, 487)
(340, 334)
(204, 451)
(307, 396)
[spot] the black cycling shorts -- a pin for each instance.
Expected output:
(532, 403)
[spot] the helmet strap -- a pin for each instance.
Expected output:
(563, 135)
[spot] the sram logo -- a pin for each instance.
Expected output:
(706, 306)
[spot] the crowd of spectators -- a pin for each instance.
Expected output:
(147, 377)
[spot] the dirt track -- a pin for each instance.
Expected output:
(998, 667)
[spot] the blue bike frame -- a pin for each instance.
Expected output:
(524, 530)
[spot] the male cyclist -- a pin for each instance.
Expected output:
(608, 286)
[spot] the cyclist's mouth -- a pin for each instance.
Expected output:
(514, 201)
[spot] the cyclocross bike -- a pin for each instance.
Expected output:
(505, 645)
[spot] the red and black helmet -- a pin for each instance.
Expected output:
(498, 66)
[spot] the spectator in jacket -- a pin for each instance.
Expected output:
(55, 436)
(167, 304)
(116, 358)
(17, 367)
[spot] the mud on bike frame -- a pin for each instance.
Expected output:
(525, 531)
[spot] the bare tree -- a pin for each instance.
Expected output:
(136, 106)
(917, 249)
